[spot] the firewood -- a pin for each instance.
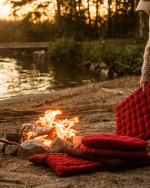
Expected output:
(36, 129)
(8, 142)
(51, 134)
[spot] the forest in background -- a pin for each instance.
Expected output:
(108, 31)
(81, 19)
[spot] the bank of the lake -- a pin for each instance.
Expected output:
(94, 104)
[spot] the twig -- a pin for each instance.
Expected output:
(8, 142)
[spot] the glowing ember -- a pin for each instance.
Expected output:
(63, 128)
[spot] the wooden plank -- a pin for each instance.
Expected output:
(27, 45)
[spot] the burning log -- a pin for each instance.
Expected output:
(51, 134)
(32, 130)
(47, 130)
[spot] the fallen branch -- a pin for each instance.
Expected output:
(8, 142)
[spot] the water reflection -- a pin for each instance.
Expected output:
(22, 76)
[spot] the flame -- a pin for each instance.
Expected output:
(45, 141)
(48, 119)
(63, 128)
(28, 135)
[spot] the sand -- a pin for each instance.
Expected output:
(94, 104)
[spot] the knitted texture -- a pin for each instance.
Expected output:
(112, 141)
(145, 76)
(133, 115)
(65, 165)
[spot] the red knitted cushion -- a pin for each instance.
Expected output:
(39, 159)
(65, 165)
(133, 115)
(119, 164)
(76, 152)
(120, 154)
(112, 163)
(111, 141)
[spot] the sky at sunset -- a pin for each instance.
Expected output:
(4, 10)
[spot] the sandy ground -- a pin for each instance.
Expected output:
(95, 106)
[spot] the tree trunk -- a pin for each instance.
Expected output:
(143, 24)
(115, 20)
(108, 22)
(89, 16)
(58, 9)
(79, 5)
(97, 16)
(74, 10)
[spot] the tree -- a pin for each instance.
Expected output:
(88, 8)
(142, 22)
(108, 22)
(74, 18)
(36, 9)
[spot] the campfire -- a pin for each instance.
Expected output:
(49, 134)
(49, 127)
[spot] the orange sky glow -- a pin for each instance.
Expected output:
(5, 10)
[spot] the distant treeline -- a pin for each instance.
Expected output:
(71, 18)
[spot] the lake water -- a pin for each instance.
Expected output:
(21, 76)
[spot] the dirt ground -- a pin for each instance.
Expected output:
(95, 106)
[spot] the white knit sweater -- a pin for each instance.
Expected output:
(145, 76)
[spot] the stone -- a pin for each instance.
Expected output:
(13, 137)
(2, 147)
(86, 64)
(32, 147)
(105, 72)
(39, 55)
(103, 65)
(76, 141)
(59, 145)
(94, 66)
(11, 150)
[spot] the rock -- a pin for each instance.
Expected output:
(2, 146)
(76, 141)
(86, 64)
(39, 55)
(105, 72)
(13, 137)
(59, 145)
(32, 147)
(11, 150)
(94, 66)
(103, 65)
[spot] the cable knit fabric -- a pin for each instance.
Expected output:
(145, 77)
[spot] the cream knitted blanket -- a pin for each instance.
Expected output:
(145, 76)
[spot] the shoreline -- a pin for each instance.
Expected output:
(94, 104)
(39, 97)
